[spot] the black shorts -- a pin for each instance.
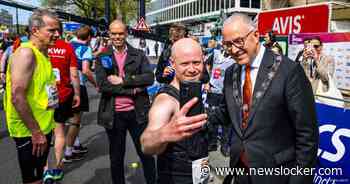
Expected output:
(64, 110)
(32, 167)
(84, 101)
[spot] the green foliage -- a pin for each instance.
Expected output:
(122, 9)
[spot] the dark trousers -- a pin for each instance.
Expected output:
(124, 121)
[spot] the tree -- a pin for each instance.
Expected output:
(125, 10)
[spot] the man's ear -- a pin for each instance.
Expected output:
(256, 35)
(172, 61)
(34, 30)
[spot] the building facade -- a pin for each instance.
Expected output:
(6, 18)
(161, 12)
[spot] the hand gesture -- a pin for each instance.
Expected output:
(76, 101)
(181, 127)
(113, 79)
(39, 142)
(167, 71)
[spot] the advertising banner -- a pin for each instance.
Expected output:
(71, 26)
(295, 20)
(336, 45)
(334, 148)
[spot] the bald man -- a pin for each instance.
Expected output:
(123, 73)
(175, 138)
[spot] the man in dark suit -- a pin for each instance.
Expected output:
(270, 105)
(123, 74)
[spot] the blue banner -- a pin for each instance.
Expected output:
(334, 148)
(71, 26)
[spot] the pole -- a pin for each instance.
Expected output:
(142, 9)
(107, 11)
(17, 25)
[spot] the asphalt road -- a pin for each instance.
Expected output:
(94, 169)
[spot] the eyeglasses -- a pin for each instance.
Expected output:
(238, 43)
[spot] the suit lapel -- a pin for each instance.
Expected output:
(233, 96)
(131, 55)
(263, 80)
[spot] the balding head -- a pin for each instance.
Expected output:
(117, 23)
(187, 59)
(239, 21)
(118, 33)
(186, 46)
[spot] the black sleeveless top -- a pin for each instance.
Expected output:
(177, 158)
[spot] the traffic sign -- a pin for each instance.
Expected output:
(142, 26)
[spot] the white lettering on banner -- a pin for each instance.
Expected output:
(289, 24)
(336, 142)
(56, 51)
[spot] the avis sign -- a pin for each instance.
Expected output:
(310, 19)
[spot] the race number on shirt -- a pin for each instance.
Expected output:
(200, 171)
(56, 72)
(52, 95)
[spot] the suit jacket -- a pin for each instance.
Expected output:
(282, 127)
(138, 74)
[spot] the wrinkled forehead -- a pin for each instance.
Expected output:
(235, 30)
(188, 54)
(50, 21)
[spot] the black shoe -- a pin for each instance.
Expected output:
(73, 157)
(80, 149)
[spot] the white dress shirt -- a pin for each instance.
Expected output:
(254, 68)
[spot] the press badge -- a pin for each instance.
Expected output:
(56, 72)
(52, 95)
(200, 171)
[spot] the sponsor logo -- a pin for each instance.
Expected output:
(338, 135)
(56, 51)
(288, 24)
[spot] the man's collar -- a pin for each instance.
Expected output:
(257, 60)
(115, 49)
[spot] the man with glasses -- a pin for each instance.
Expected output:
(270, 106)
(123, 74)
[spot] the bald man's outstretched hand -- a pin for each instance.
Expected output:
(181, 126)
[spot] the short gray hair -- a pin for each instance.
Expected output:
(36, 20)
(245, 19)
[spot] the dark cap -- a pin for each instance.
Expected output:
(178, 25)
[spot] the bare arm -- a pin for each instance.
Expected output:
(22, 68)
(171, 127)
(167, 106)
(89, 74)
(74, 77)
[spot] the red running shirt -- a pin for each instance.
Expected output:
(62, 58)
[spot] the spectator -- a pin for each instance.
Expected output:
(123, 74)
(31, 96)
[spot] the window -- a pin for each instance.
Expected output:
(255, 3)
(227, 4)
(217, 4)
(245, 3)
(233, 3)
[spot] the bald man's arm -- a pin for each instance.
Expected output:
(152, 139)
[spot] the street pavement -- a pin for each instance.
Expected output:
(94, 169)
